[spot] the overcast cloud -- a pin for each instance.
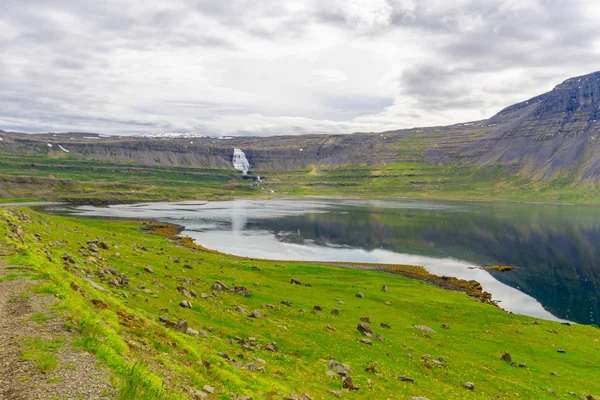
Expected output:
(242, 67)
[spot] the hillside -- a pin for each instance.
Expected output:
(114, 292)
(544, 148)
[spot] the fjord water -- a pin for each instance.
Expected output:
(555, 249)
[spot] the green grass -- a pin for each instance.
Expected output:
(150, 361)
(42, 352)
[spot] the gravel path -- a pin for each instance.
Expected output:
(76, 377)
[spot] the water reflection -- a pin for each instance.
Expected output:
(556, 248)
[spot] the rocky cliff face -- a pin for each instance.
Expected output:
(553, 135)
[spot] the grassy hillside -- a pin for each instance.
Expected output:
(287, 350)
(42, 178)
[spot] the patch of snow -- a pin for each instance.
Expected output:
(301, 149)
(1, 139)
(240, 162)
(90, 137)
(63, 149)
(175, 135)
(49, 145)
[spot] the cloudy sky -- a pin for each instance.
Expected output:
(247, 67)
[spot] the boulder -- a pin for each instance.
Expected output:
(469, 385)
(360, 295)
(364, 329)
(186, 304)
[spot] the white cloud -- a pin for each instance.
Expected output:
(243, 67)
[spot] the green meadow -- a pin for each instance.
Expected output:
(286, 352)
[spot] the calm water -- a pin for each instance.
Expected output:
(556, 249)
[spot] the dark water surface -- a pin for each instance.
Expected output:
(555, 249)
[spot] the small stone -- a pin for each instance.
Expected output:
(366, 319)
(338, 367)
(364, 329)
(445, 326)
(186, 304)
(149, 269)
(506, 357)
(335, 311)
(384, 288)
(387, 303)
(348, 384)
(469, 385)
(551, 392)
(198, 394)
(208, 389)
(295, 281)
(256, 314)
(554, 374)
(405, 379)
(335, 393)
(318, 308)
(384, 325)
(360, 295)
(522, 365)
(561, 351)
(366, 341)
(424, 328)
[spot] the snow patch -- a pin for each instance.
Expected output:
(63, 149)
(49, 145)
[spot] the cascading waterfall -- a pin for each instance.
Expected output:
(240, 162)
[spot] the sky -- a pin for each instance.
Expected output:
(282, 67)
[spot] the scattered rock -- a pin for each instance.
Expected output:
(506, 357)
(551, 392)
(287, 303)
(335, 393)
(366, 341)
(219, 286)
(149, 269)
(186, 304)
(318, 308)
(208, 389)
(196, 394)
(360, 295)
(406, 379)
(379, 337)
(364, 329)
(241, 310)
(366, 319)
(256, 314)
(554, 374)
(522, 365)
(469, 385)
(387, 303)
(552, 331)
(336, 311)
(384, 288)
(445, 326)
(561, 351)
(348, 384)
(295, 281)
(338, 367)
(424, 328)
(384, 325)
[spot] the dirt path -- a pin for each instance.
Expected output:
(37, 356)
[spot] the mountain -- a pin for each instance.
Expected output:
(551, 136)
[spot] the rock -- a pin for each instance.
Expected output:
(256, 314)
(331, 373)
(379, 337)
(330, 328)
(384, 288)
(208, 389)
(406, 379)
(335, 311)
(360, 295)
(384, 325)
(561, 351)
(295, 281)
(259, 360)
(552, 331)
(554, 374)
(445, 326)
(241, 310)
(103, 246)
(318, 308)
(590, 397)
(366, 319)
(308, 285)
(287, 303)
(366, 341)
(255, 368)
(335, 393)
(219, 286)
(506, 357)
(186, 304)
(196, 394)
(272, 347)
(348, 384)
(551, 392)
(387, 303)
(566, 323)
(424, 328)
(522, 365)
(364, 329)
(181, 326)
(469, 385)
(535, 323)
(204, 295)
(243, 290)
(338, 367)
(225, 356)
(149, 269)
(192, 332)
(418, 398)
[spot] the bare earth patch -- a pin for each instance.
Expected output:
(30, 368)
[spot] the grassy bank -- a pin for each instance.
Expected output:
(293, 343)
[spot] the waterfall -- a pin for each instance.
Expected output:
(240, 162)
